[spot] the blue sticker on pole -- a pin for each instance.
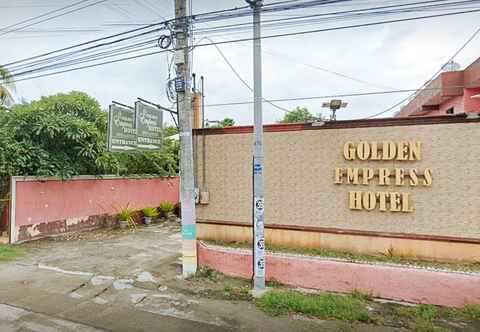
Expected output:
(257, 169)
(188, 232)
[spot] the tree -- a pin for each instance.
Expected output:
(6, 85)
(65, 135)
(61, 135)
(300, 114)
(227, 122)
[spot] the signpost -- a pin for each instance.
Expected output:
(122, 135)
(149, 127)
(138, 129)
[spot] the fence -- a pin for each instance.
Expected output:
(49, 206)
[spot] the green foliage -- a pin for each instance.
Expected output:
(424, 317)
(472, 311)
(169, 131)
(125, 214)
(6, 86)
(207, 273)
(61, 135)
(300, 114)
(227, 122)
(237, 293)
(324, 306)
(150, 212)
(8, 252)
(65, 135)
(166, 207)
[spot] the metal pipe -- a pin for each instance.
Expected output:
(204, 144)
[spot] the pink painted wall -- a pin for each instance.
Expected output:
(46, 201)
(456, 103)
(471, 104)
(388, 282)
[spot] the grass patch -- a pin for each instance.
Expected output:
(231, 292)
(323, 306)
(205, 273)
(472, 311)
(8, 252)
(387, 257)
(423, 318)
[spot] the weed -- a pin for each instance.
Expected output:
(237, 293)
(359, 295)
(273, 283)
(324, 306)
(472, 311)
(423, 316)
(207, 273)
(8, 252)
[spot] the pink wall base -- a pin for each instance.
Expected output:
(388, 282)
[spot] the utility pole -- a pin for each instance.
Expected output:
(183, 89)
(258, 156)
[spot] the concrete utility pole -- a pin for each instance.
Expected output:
(187, 190)
(258, 156)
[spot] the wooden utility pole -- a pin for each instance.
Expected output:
(183, 89)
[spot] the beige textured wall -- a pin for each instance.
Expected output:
(300, 189)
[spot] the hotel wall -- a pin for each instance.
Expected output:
(300, 189)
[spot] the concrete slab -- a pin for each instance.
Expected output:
(123, 281)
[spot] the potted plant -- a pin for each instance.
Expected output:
(167, 210)
(148, 214)
(125, 218)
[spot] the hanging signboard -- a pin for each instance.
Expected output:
(122, 134)
(149, 125)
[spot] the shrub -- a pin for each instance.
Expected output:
(166, 207)
(150, 212)
(126, 214)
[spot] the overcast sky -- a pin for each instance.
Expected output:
(393, 56)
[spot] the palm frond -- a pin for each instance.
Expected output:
(6, 86)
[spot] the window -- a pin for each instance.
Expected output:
(451, 110)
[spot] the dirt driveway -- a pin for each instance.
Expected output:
(113, 280)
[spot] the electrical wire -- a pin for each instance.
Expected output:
(360, 10)
(304, 32)
(52, 17)
(66, 55)
(469, 40)
(241, 78)
(358, 94)
(310, 20)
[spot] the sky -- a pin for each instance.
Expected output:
(394, 56)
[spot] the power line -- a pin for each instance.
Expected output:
(308, 32)
(66, 55)
(241, 78)
(50, 18)
(90, 66)
(469, 40)
(164, 23)
(361, 11)
(119, 34)
(43, 15)
(359, 94)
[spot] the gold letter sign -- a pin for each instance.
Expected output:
(397, 177)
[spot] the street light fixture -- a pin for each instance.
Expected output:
(334, 105)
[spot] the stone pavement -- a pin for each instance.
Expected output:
(122, 281)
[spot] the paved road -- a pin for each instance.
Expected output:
(123, 281)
